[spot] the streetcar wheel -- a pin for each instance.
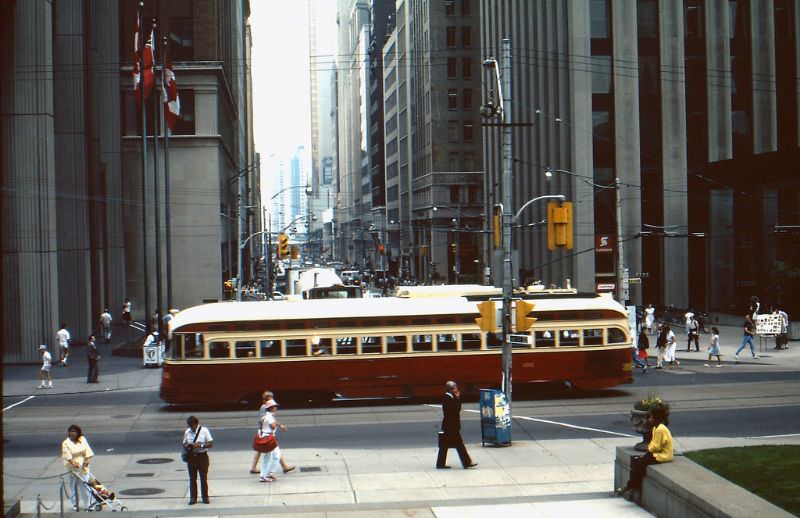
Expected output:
(123, 508)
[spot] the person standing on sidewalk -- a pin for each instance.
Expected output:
(694, 334)
(747, 338)
(93, 355)
(76, 452)
(46, 366)
(450, 434)
(126, 312)
(63, 338)
(672, 347)
(105, 325)
(197, 440)
(661, 345)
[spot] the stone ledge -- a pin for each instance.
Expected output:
(682, 488)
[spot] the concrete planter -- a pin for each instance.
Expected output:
(794, 330)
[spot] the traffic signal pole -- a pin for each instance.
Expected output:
(507, 216)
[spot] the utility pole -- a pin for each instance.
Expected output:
(622, 290)
(507, 215)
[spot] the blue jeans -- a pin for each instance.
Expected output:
(747, 339)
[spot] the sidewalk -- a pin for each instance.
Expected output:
(532, 478)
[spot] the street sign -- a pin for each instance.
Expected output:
(635, 280)
(520, 339)
(605, 286)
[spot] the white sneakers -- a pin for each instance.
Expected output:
(46, 386)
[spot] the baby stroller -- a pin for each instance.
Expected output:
(101, 496)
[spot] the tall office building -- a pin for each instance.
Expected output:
(692, 105)
(71, 166)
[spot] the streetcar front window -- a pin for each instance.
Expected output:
(219, 350)
(245, 349)
(193, 346)
(616, 336)
(592, 337)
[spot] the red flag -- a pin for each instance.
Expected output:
(148, 66)
(137, 76)
(144, 76)
(172, 103)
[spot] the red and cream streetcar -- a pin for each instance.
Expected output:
(385, 347)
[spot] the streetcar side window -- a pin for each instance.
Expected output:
(544, 339)
(245, 348)
(193, 346)
(569, 338)
(218, 350)
(395, 344)
(616, 336)
(269, 348)
(422, 343)
(592, 337)
(296, 347)
(371, 344)
(446, 342)
(346, 345)
(470, 342)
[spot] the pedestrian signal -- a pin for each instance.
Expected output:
(283, 246)
(487, 321)
(559, 225)
(523, 321)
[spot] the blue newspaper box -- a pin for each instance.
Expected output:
(495, 418)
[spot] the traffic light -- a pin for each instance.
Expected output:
(423, 250)
(497, 227)
(294, 252)
(559, 225)
(487, 320)
(524, 322)
(283, 246)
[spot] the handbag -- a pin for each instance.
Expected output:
(188, 450)
(265, 443)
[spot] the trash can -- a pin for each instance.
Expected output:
(153, 354)
(495, 418)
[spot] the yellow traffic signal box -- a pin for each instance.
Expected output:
(283, 246)
(523, 321)
(497, 227)
(559, 225)
(487, 321)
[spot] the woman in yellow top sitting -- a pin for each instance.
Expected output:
(659, 450)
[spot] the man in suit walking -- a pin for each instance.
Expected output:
(450, 435)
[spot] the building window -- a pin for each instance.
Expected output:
(466, 68)
(451, 36)
(181, 39)
(598, 19)
(601, 74)
(472, 193)
(467, 98)
(391, 170)
(465, 8)
(452, 99)
(469, 164)
(468, 131)
(694, 21)
(452, 65)
(391, 147)
(185, 123)
(466, 37)
(450, 7)
(452, 131)
(453, 159)
(391, 194)
(454, 193)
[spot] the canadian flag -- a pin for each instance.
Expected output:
(142, 77)
(172, 102)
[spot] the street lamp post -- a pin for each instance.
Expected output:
(621, 289)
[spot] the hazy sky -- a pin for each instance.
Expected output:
(280, 75)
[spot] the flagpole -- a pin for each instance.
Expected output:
(144, 173)
(156, 197)
(167, 222)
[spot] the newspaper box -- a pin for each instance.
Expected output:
(495, 418)
(152, 353)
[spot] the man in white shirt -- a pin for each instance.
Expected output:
(197, 440)
(105, 324)
(63, 338)
(46, 365)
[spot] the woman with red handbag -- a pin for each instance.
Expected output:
(268, 444)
